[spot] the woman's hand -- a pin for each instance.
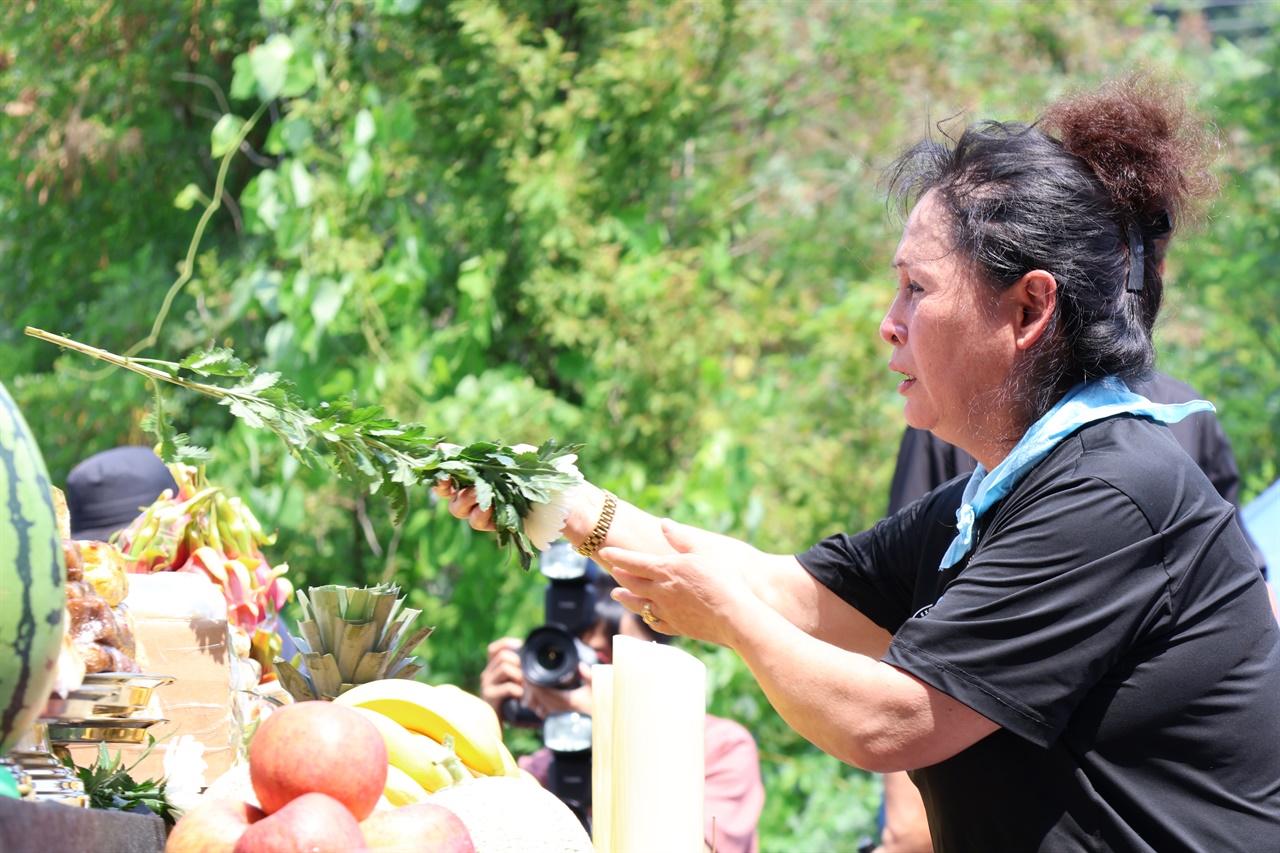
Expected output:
(464, 504)
(701, 591)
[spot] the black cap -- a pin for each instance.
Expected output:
(107, 491)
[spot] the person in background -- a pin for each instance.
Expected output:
(733, 790)
(107, 491)
(925, 462)
(1073, 650)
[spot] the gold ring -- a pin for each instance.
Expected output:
(646, 614)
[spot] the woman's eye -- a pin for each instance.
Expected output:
(912, 287)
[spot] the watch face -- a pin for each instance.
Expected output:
(560, 562)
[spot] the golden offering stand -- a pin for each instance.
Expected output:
(108, 707)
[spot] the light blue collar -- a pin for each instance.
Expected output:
(1084, 404)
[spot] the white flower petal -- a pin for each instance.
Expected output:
(184, 767)
(566, 465)
(545, 522)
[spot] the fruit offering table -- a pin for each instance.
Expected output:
(43, 827)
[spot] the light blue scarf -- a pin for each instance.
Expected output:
(1084, 404)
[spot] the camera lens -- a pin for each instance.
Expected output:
(551, 655)
(550, 658)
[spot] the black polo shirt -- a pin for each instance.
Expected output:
(1112, 621)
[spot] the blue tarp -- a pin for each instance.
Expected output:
(1261, 517)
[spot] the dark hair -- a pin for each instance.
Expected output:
(611, 612)
(1065, 195)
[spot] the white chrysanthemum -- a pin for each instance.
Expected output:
(184, 767)
(545, 521)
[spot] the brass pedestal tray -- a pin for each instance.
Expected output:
(105, 695)
(21, 781)
(105, 708)
(46, 779)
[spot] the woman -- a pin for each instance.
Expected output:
(1073, 650)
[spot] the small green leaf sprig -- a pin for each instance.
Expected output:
(108, 785)
(361, 444)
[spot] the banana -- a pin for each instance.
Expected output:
(480, 708)
(429, 766)
(484, 711)
(401, 789)
(437, 714)
(509, 765)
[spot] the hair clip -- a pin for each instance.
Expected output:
(1137, 265)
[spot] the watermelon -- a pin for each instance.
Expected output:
(32, 578)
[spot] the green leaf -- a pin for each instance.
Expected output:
(190, 196)
(215, 362)
(223, 137)
(396, 7)
(301, 183)
(365, 130)
(326, 302)
(359, 169)
(276, 8)
(289, 136)
(269, 62)
(244, 81)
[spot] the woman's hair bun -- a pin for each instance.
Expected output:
(1144, 141)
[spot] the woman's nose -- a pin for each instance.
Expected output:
(891, 330)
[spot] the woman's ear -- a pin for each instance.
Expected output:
(1037, 295)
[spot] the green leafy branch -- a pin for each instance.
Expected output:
(108, 785)
(358, 443)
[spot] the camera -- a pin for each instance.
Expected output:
(550, 657)
(552, 652)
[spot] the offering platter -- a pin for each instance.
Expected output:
(104, 694)
(108, 707)
(102, 730)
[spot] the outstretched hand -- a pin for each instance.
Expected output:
(700, 591)
(463, 503)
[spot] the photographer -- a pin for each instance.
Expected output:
(734, 792)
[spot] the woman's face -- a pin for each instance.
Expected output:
(600, 638)
(953, 337)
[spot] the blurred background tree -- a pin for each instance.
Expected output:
(650, 226)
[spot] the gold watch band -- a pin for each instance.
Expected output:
(595, 540)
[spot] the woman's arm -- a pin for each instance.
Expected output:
(815, 656)
(822, 675)
(776, 579)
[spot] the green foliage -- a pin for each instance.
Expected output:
(647, 226)
(1223, 331)
(359, 443)
(108, 785)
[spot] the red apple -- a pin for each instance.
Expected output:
(318, 747)
(214, 826)
(315, 823)
(417, 828)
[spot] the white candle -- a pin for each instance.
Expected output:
(602, 757)
(658, 752)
